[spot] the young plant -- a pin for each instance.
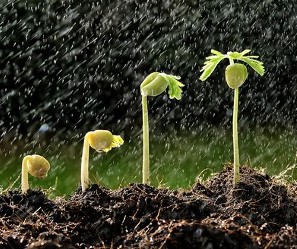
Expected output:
(37, 166)
(235, 75)
(153, 85)
(100, 140)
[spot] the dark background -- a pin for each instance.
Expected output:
(77, 65)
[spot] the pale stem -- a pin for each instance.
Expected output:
(25, 182)
(235, 137)
(145, 130)
(85, 164)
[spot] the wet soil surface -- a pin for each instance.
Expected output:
(258, 213)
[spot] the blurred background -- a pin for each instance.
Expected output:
(67, 67)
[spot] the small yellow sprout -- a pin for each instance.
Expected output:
(99, 140)
(37, 166)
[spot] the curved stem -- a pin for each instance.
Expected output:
(235, 137)
(145, 130)
(25, 182)
(85, 164)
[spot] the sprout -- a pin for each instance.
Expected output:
(100, 140)
(37, 166)
(153, 85)
(235, 75)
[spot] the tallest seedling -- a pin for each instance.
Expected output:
(153, 85)
(235, 75)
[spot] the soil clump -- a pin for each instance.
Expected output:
(258, 213)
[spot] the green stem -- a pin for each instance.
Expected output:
(235, 137)
(145, 130)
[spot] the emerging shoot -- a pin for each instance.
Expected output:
(99, 140)
(235, 75)
(37, 166)
(153, 85)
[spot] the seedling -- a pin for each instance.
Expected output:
(153, 85)
(235, 75)
(100, 140)
(37, 166)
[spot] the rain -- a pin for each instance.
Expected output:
(69, 67)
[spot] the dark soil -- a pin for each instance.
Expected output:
(258, 213)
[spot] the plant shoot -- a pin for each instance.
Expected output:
(101, 141)
(235, 76)
(37, 166)
(153, 85)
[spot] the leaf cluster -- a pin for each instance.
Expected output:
(213, 60)
(174, 86)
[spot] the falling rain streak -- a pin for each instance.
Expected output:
(67, 67)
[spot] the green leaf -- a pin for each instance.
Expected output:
(252, 56)
(244, 52)
(255, 64)
(215, 52)
(213, 60)
(210, 65)
(211, 57)
(234, 55)
(175, 77)
(174, 86)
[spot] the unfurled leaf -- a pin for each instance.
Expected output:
(255, 64)
(209, 66)
(215, 52)
(244, 52)
(213, 60)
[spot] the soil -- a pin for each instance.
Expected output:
(258, 213)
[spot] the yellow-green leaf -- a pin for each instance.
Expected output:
(255, 64)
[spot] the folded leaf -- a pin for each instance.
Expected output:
(174, 86)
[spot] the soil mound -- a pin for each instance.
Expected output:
(258, 213)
